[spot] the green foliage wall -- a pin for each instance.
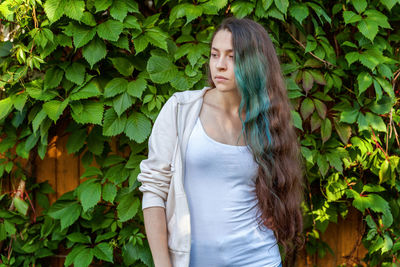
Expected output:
(100, 70)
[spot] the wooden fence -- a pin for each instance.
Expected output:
(63, 171)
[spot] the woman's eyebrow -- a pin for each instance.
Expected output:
(228, 50)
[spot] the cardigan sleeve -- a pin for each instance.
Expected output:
(155, 171)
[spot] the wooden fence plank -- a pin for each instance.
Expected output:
(67, 168)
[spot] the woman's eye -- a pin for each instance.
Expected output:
(213, 55)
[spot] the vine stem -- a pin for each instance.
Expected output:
(311, 53)
(377, 144)
(20, 192)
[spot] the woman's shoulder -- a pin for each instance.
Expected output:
(189, 96)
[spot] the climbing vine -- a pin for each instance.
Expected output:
(99, 71)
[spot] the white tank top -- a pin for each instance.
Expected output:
(220, 186)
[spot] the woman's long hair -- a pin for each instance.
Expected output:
(268, 130)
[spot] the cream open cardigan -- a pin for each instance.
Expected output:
(162, 172)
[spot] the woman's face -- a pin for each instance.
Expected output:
(222, 61)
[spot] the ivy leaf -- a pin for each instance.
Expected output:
(110, 30)
(122, 42)
(196, 52)
(351, 17)
(113, 125)
(95, 141)
(75, 73)
(140, 42)
(362, 122)
(74, 9)
(282, 5)
(105, 236)
(321, 108)
(182, 82)
(161, 69)
(352, 57)
(54, 108)
(308, 81)
(359, 5)
(122, 103)
(78, 237)
(371, 201)
(94, 51)
(128, 207)
(89, 193)
(132, 253)
(87, 112)
(88, 19)
(131, 22)
(101, 5)
(53, 78)
(382, 106)
(375, 121)
(119, 10)
(104, 251)
(299, 12)
(109, 192)
(67, 212)
(388, 3)
(311, 44)
(387, 243)
(349, 116)
(72, 254)
(384, 171)
(241, 8)
(54, 9)
(9, 227)
(307, 108)
(115, 86)
(297, 121)
(137, 87)
(5, 107)
(21, 205)
(38, 120)
(368, 28)
(117, 174)
(334, 159)
(315, 121)
(387, 87)
(123, 65)
(157, 38)
(76, 140)
(343, 130)
(82, 35)
(5, 48)
(317, 76)
(138, 127)
(364, 81)
(378, 17)
(371, 58)
(322, 164)
(89, 90)
(84, 258)
(189, 10)
(326, 130)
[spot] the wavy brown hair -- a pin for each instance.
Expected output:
(268, 130)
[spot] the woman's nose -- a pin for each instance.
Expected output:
(221, 63)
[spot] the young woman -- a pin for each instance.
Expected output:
(222, 181)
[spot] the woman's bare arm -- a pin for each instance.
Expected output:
(156, 231)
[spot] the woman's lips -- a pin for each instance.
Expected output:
(220, 79)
